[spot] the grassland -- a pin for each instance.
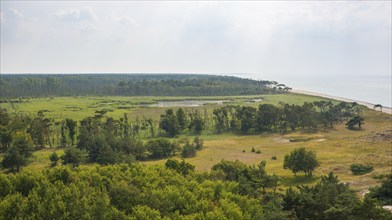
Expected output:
(336, 149)
(78, 108)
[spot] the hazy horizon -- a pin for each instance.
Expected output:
(281, 41)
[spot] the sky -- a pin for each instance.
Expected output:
(274, 40)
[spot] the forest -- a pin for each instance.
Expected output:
(102, 166)
(40, 85)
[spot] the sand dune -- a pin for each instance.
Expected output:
(367, 104)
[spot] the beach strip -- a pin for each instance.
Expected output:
(367, 104)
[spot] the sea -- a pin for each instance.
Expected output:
(371, 89)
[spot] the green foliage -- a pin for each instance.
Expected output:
(73, 156)
(382, 193)
(301, 160)
(32, 85)
(248, 120)
(19, 153)
(181, 118)
(360, 169)
(198, 143)
(169, 123)
(161, 148)
(196, 123)
(221, 119)
(6, 186)
(71, 125)
(330, 199)
(252, 180)
(103, 143)
(182, 167)
(267, 117)
(246, 116)
(356, 120)
(188, 150)
(54, 158)
(172, 192)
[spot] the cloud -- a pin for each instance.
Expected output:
(88, 28)
(11, 15)
(125, 20)
(14, 14)
(82, 14)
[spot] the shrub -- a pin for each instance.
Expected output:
(198, 143)
(258, 151)
(360, 169)
(273, 158)
(253, 150)
(188, 151)
(54, 158)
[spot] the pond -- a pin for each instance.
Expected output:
(187, 103)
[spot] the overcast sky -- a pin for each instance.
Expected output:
(269, 40)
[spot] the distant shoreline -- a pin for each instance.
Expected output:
(367, 104)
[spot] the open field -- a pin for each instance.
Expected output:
(336, 149)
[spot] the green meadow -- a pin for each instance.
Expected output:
(336, 149)
(80, 107)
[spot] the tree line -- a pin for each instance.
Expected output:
(41, 85)
(267, 117)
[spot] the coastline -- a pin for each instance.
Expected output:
(367, 104)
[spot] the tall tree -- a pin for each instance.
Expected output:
(181, 118)
(169, 123)
(71, 125)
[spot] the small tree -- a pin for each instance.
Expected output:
(73, 156)
(54, 158)
(301, 160)
(356, 120)
(19, 152)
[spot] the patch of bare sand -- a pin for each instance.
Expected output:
(320, 140)
(281, 140)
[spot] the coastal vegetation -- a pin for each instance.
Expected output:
(230, 157)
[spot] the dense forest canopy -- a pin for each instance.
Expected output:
(38, 85)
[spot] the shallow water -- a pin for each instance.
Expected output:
(187, 103)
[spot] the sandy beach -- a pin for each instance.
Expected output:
(367, 104)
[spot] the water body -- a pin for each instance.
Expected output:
(372, 89)
(187, 103)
